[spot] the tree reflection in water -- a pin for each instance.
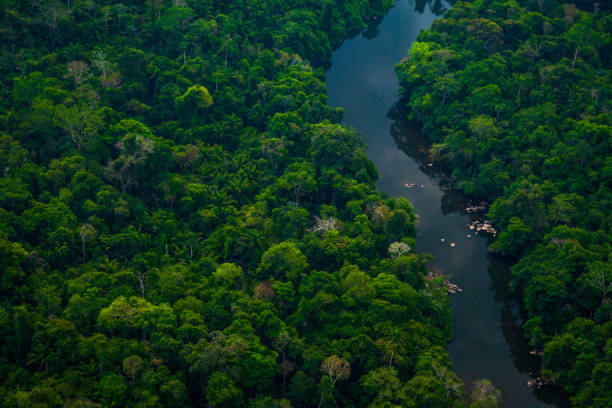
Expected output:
(411, 141)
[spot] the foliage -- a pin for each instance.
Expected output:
(516, 96)
(184, 222)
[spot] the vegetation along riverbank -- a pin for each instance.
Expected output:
(516, 96)
(183, 221)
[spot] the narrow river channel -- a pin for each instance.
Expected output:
(488, 342)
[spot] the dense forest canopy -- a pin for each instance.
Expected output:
(183, 222)
(517, 97)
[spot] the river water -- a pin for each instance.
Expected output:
(488, 342)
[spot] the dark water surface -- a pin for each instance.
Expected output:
(488, 341)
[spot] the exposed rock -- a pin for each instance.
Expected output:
(537, 382)
(451, 288)
(483, 226)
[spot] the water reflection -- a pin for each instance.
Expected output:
(411, 141)
(487, 324)
(372, 30)
(436, 6)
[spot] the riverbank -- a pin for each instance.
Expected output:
(487, 340)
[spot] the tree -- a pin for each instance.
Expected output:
(221, 391)
(485, 395)
(488, 32)
(427, 390)
(174, 393)
(264, 291)
(87, 232)
(78, 71)
(275, 149)
(280, 344)
(357, 284)
(39, 396)
(397, 249)
(298, 179)
(196, 97)
(131, 365)
(515, 239)
(599, 277)
(134, 151)
(53, 14)
(142, 280)
(228, 275)
(113, 389)
(334, 146)
(483, 128)
(584, 34)
(447, 85)
(153, 245)
(283, 261)
(336, 369)
(325, 224)
(100, 62)
(79, 121)
(385, 386)
(12, 255)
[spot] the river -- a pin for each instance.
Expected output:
(488, 342)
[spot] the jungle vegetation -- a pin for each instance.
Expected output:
(183, 221)
(516, 96)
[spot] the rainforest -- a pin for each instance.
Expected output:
(516, 96)
(185, 222)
